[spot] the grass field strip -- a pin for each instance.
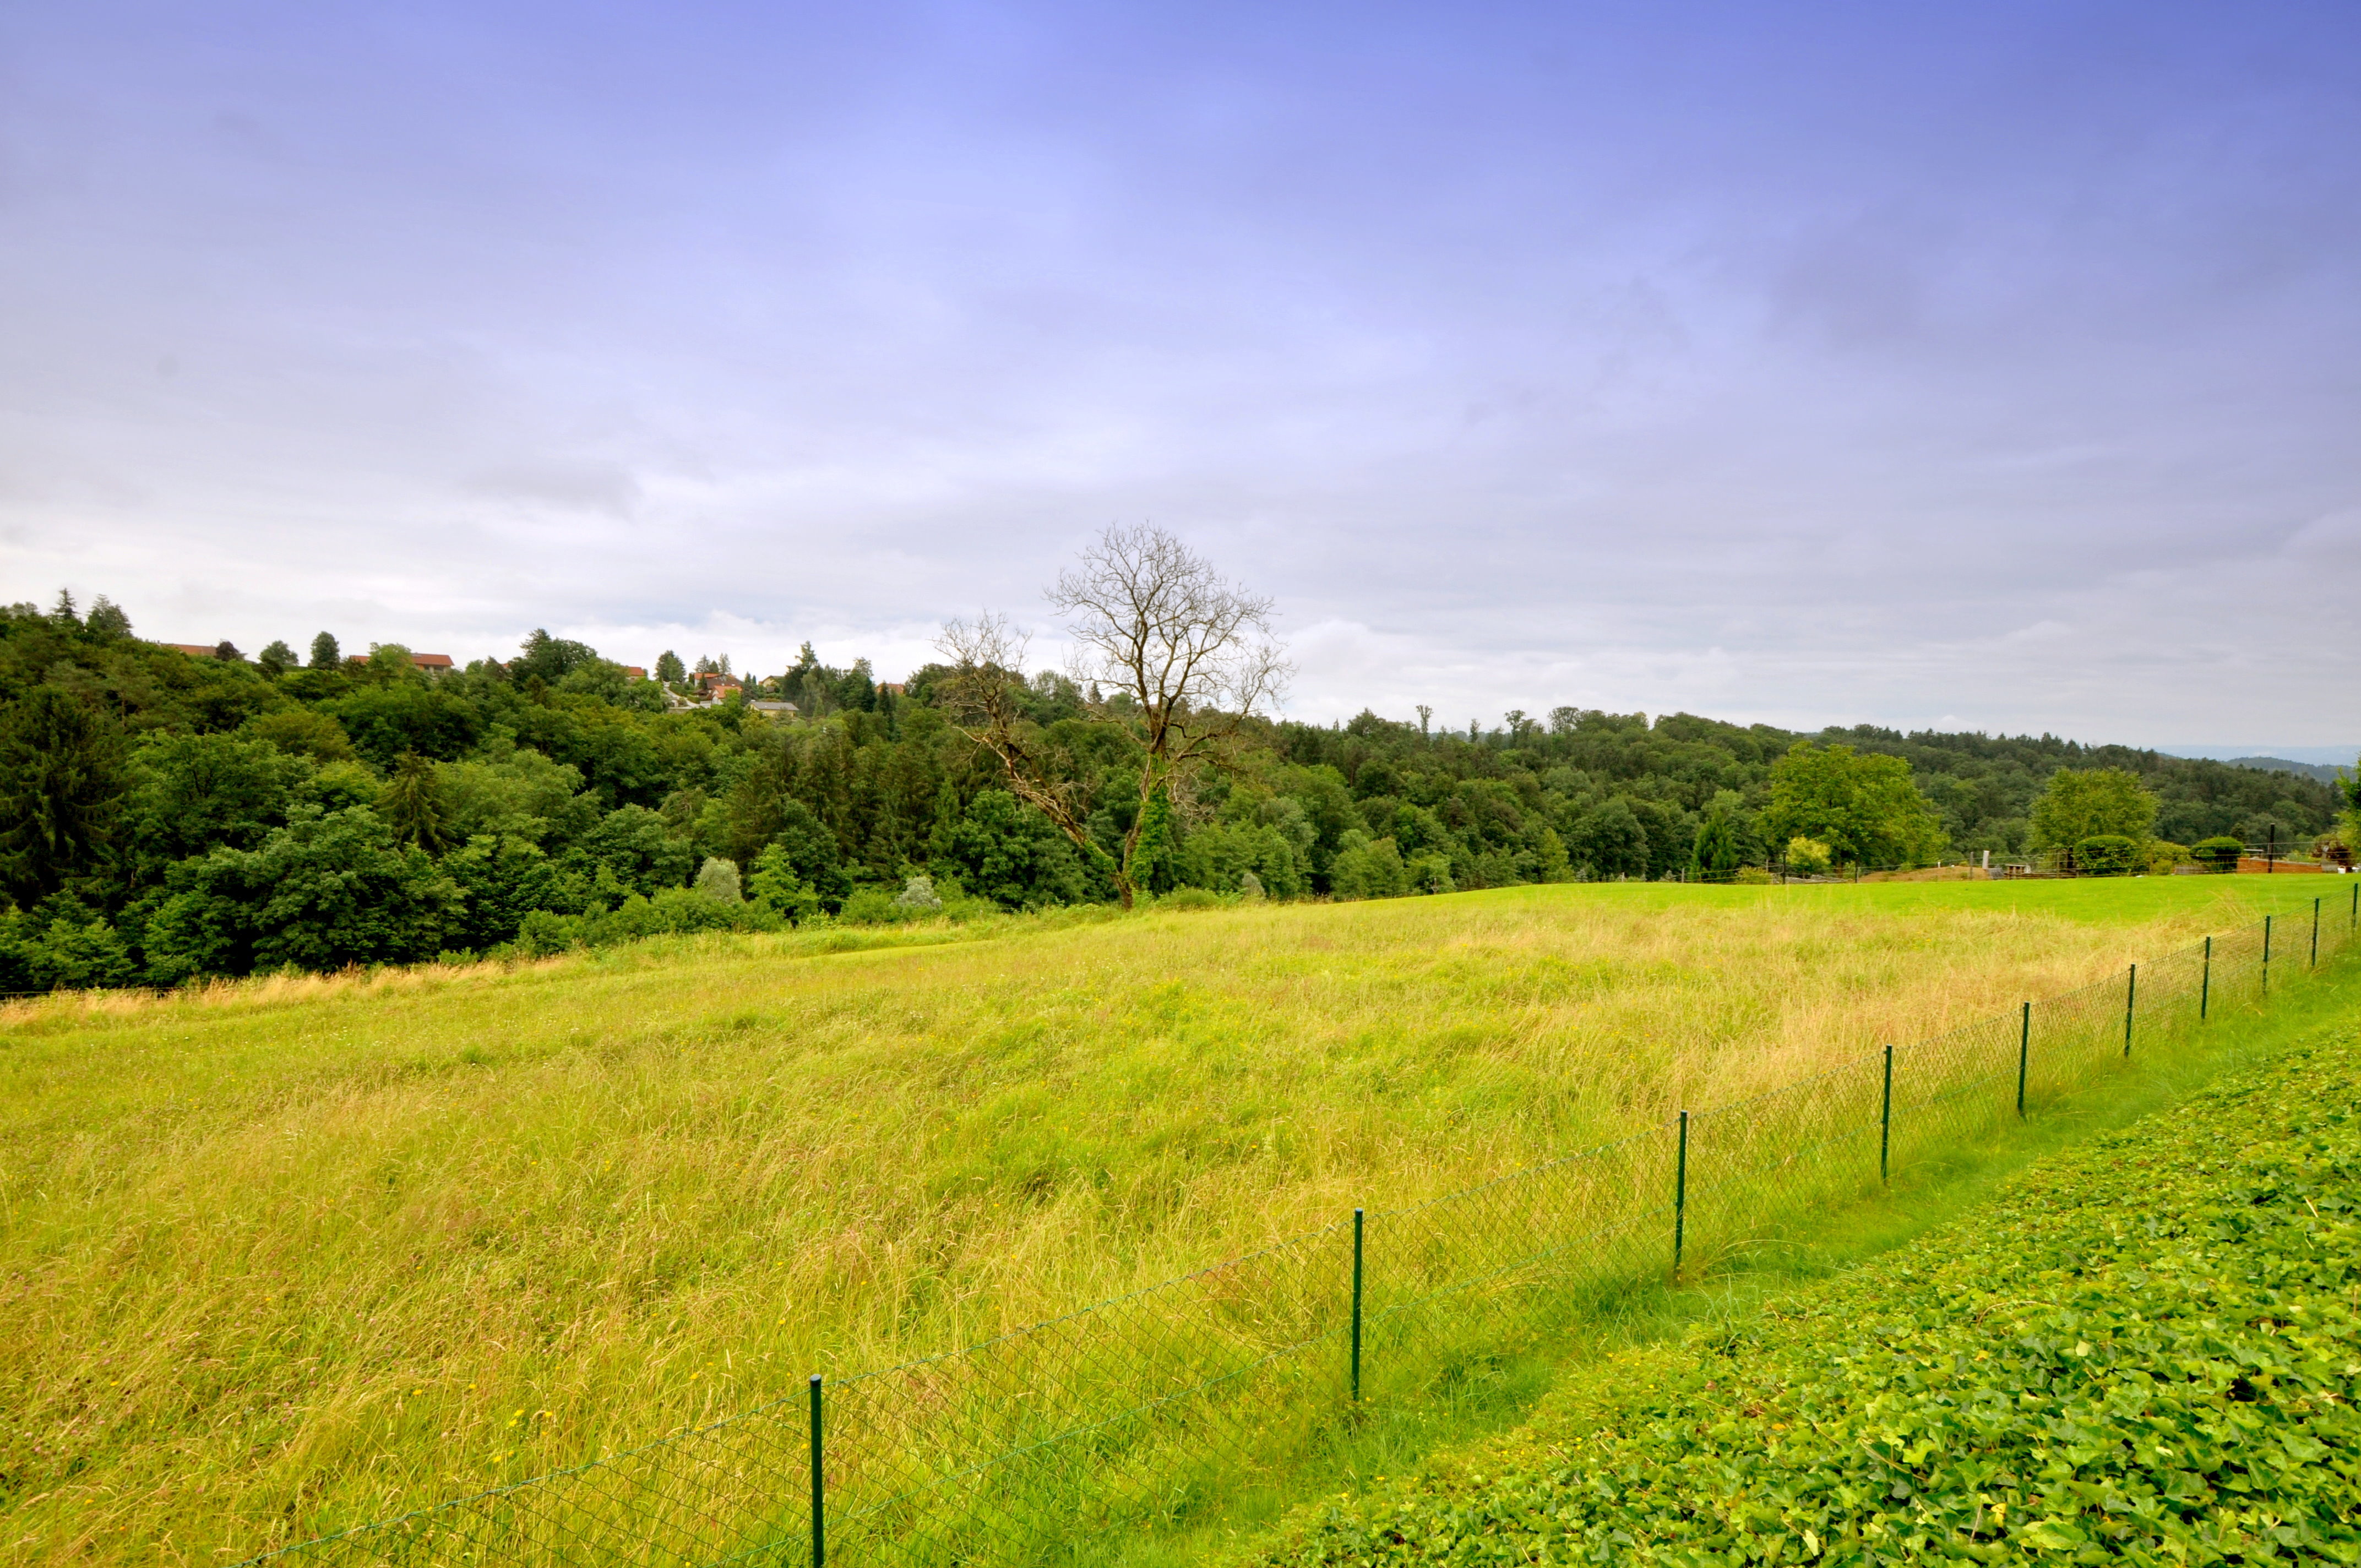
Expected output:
(1135, 1412)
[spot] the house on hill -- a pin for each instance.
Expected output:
(424, 663)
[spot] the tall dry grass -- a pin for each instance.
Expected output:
(297, 1249)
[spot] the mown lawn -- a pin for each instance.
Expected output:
(304, 1248)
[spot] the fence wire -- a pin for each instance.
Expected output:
(1135, 1411)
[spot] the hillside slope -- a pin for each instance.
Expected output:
(285, 1255)
(2144, 1351)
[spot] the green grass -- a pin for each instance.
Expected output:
(2144, 1350)
(300, 1252)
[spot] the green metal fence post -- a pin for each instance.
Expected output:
(819, 1513)
(2131, 995)
(1885, 1118)
(2315, 935)
(1680, 1196)
(2355, 923)
(1356, 1306)
(2205, 983)
(2267, 958)
(2024, 1053)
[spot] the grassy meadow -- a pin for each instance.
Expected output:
(291, 1248)
(2077, 1370)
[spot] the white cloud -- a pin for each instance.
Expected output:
(1719, 378)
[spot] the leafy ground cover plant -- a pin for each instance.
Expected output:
(2146, 1352)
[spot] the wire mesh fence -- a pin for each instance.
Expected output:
(1127, 1413)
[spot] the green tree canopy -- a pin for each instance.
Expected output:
(1611, 841)
(1715, 851)
(189, 793)
(1864, 807)
(61, 787)
(325, 655)
(107, 622)
(2087, 803)
(503, 880)
(1368, 868)
(1013, 856)
(384, 721)
(551, 658)
(325, 890)
(303, 731)
(640, 849)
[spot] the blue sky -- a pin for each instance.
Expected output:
(1982, 367)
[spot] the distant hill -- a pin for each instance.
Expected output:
(2325, 772)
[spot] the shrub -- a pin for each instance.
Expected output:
(777, 886)
(1753, 876)
(919, 897)
(1430, 873)
(673, 912)
(63, 947)
(543, 934)
(1807, 857)
(2219, 853)
(872, 905)
(717, 879)
(2161, 855)
(1190, 898)
(2105, 854)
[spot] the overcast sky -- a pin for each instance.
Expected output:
(1973, 366)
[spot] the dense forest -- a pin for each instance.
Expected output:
(165, 816)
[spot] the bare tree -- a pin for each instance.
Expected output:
(987, 659)
(1168, 648)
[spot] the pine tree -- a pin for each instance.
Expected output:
(62, 785)
(106, 619)
(412, 805)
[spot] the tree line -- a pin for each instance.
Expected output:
(166, 816)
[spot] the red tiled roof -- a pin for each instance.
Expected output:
(194, 650)
(417, 661)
